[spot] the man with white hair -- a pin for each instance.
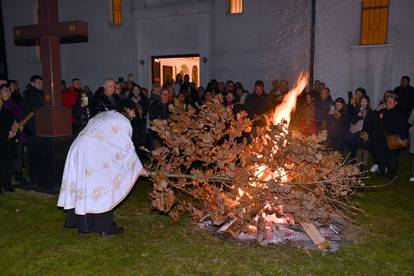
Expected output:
(103, 99)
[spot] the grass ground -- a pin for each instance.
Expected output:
(33, 241)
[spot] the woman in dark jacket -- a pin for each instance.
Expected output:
(139, 124)
(158, 109)
(367, 116)
(6, 147)
(394, 123)
(337, 125)
(81, 112)
(377, 140)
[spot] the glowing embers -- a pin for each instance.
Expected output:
(266, 176)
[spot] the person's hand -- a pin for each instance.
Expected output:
(337, 115)
(15, 127)
(364, 136)
(143, 173)
(12, 134)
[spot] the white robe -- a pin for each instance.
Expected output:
(101, 167)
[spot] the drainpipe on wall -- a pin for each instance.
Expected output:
(312, 48)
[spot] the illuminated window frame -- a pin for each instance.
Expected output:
(115, 12)
(374, 22)
(235, 7)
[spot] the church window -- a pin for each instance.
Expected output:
(235, 6)
(374, 22)
(116, 12)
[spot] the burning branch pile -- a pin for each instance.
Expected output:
(206, 169)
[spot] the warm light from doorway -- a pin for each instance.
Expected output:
(235, 6)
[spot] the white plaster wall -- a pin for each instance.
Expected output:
(401, 35)
(110, 51)
(344, 67)
(337, 30)
(270, 40)
(370, 68)
(22, 62)
(176, 30)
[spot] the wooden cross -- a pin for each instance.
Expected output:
(48, 34)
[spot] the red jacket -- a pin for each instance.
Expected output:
(70, 96)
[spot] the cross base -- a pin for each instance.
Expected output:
(46, 157)
(53, 122)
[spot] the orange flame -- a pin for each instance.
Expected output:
(283, 111)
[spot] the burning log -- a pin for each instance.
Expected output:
(314, 235)
(206, 168)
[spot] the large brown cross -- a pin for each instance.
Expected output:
(48, 34)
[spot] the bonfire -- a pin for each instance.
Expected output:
(263, 187)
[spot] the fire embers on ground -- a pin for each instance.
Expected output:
(279, 180)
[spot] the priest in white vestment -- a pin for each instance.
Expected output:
(101, 169)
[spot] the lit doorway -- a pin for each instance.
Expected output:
(165, 68)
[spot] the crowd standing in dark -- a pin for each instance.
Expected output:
(353, 128)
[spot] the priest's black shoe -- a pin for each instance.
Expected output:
(9, 189)
(81, 232)
(118, 231)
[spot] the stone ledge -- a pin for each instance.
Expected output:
(372, 46)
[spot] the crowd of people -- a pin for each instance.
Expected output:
(361, 130)
(355, 127)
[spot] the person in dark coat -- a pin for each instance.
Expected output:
(33, 95)
(19, 114)
(34, 99)
(337, 125)
(6, 147)
(139, 123)
(394, 123)
(405, 93)
(257, 103)
(323, 105)
(377, 139)
(103, 100)
(117, 96)
(81, 112)
(367, 115)
(158, 109)
(16, 95)
(411, 144)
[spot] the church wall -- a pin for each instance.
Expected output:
(344, 65)
(337, 29)
(22, 62)
(110, 50)
(401, 34)
(174, 30)
(270, 40)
